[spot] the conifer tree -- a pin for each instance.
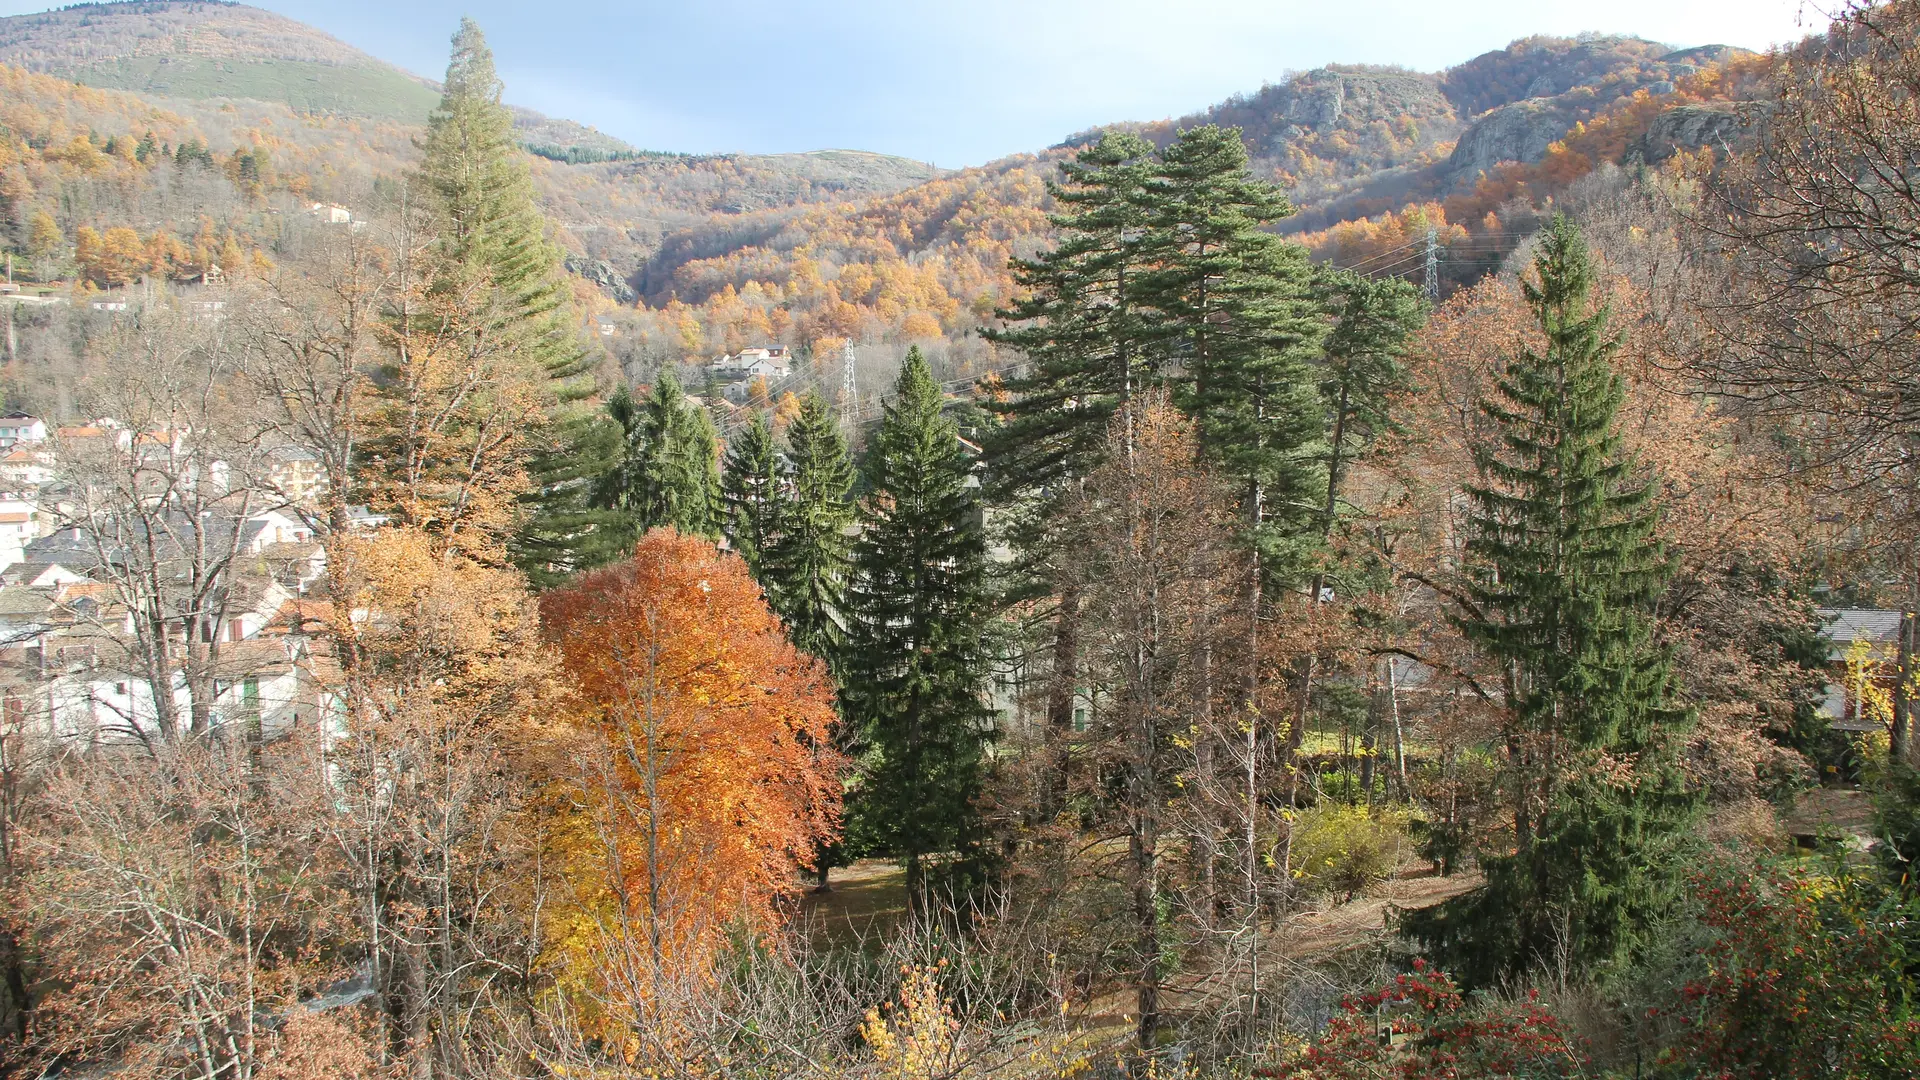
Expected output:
(1080, 327)
(1565, 572)
(808, 561)
(490, 228)
(1234, 306)
(1084, 337)
(565, 531)
(914, 665)
(667, 473)
(1360, 370)
(492, 252)
(705, 511)
(753, 495)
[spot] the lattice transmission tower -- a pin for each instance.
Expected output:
(1433, 264)
(849, 391)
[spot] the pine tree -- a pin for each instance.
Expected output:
(1084, 339)
(808, 562)
(1565, 572)
(667, 473)
(1234, 314)
(914, 668)
(1360, 370)
(1079, 328)
(1234, 306)
(753, 494)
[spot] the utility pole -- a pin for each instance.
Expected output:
(849, 391)
(13, 345)
(1433, 264)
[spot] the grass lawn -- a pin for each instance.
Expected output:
(865, 902)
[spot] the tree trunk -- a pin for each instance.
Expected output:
(1142, 847)
(1206, 831)
(1399, 735)
(1062, 689)
(1370, 736)
(1901, 743)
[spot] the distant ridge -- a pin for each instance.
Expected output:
(199, 49)
(210, 49)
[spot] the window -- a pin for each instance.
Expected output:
(1079, 718)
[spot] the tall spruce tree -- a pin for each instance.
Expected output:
(1565, 572)
(753, 496)
(492, 252)
(667, 473)
(914, 664)
(806, 563)
(809, 560)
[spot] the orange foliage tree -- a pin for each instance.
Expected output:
(699, 773)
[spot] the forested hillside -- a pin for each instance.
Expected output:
(712, 253)
(1098, 621)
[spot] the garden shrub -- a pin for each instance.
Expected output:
(1346, 850)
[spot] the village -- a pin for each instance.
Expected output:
(207, 582)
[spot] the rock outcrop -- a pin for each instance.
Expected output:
(1521, 131)
(1689, 127)
(602, 274)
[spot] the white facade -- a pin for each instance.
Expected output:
(766, 362)
(17, 428)
(24, 468)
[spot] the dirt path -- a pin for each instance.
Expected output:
(1317, 934)
(868, 899)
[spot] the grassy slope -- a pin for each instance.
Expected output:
(305, 86)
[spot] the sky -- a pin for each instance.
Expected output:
(961, 82)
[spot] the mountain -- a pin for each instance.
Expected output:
(1375, 160)
(201, 49)
(694, 254)
(1351, 140)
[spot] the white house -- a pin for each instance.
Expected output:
(274, 527)
(17, 428)
(766, 362)
(19, 523)
(1877, 633)
(24, 468)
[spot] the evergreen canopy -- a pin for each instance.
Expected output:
(914, 664)
(1565, 574)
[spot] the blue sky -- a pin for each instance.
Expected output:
(959, 82)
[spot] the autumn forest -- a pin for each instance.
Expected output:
(1398, 575)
